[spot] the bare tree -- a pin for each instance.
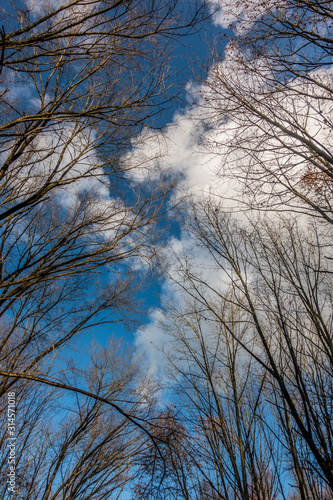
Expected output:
(74, 446)
(278, 280)
(269, 96)
(251, 349)
(79, 79)
(224, 450)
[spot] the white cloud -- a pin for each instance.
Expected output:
(179, 254)
(242, 14)
(63, 156)
(215, 145)
(39, 7)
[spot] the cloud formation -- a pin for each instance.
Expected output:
(240, 14)
(241, 157)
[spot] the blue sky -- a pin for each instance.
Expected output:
(185, 142)
(190, 55)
